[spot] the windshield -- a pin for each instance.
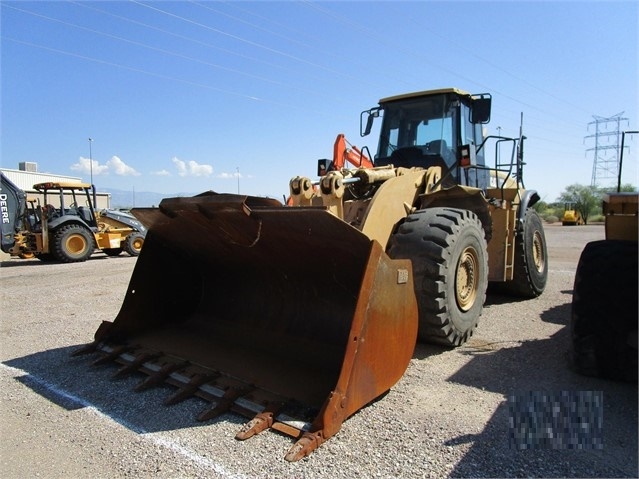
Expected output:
(426, 123)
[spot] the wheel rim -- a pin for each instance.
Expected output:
(137, 244)
(467, 279)
(75, 244)
(539, 257)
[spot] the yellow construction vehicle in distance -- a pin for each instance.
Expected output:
(571, 217)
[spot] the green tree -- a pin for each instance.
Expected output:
(540, 207)
(584, 198)
(625, 188)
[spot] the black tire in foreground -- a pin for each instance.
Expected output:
(133, 243)
(448, 250)
(531, 260)
(72, 244)
(603, 321)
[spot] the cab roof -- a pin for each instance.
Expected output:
(418, 94)
(56, 185)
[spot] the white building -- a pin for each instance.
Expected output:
(27, 175)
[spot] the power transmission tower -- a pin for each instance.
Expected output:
(607, 149)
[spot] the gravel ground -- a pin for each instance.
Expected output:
(447, 417)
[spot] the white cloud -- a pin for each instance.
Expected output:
(161, 173)
(120, 168)
(114, 165)
(233, 176)
(228, 176)
(85, 165)
(192, 168)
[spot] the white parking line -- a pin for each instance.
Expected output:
(154, 438)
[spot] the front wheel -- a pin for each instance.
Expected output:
(133, 243)
(448, 250)
(72, 244)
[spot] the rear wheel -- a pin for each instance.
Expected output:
(603, 322)
(133, 243)
(72, 244)
(531, 260)
(450, 271)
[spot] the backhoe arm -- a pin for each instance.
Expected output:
(343, 151)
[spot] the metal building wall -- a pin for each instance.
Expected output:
(26, 179)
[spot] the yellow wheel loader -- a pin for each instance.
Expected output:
(604, 313)
(572, 216)
(66, 232)
(299, 315)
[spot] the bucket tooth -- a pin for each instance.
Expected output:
(160, 376)
(305, 445)
(259, 423)
(189, 389)
(112, 355)
(223, 404)
(133, 366)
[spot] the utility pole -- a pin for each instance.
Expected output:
(607, 149)
(623, 141)
(95, 200)
(91, 160)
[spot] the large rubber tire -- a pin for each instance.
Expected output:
(133, 243)
(531, 260)
(603, 320)
(450, 271)
(72, 244)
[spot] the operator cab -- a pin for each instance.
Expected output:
(434, 128)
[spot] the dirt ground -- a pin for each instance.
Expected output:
(447, 417)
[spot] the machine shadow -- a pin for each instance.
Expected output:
(73, 383)
(542, 365)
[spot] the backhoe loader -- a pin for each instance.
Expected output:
(68, 233)
(299, 315)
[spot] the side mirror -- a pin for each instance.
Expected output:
(372, 114)
(480, 109)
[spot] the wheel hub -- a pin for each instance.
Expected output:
(75, 244)
(539, 258)
(467, 279)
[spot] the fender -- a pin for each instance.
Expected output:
(529, 198)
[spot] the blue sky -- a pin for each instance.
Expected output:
(193, 95)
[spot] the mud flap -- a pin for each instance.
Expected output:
(285, 314)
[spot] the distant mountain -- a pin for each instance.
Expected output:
(130, 199)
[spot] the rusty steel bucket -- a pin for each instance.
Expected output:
(286, 315)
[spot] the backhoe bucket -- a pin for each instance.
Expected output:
(287, 315)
